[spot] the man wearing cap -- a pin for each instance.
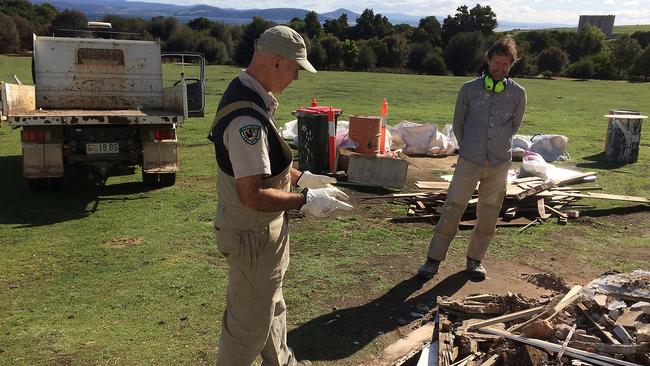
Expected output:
(489, 111)
(254, 180)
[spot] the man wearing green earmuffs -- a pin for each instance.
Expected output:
(489, 111)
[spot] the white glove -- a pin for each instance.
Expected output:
(314, 181)
(322, 201)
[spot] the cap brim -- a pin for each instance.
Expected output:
(304, 63)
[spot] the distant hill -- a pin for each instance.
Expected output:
(145, 10)
(98, 9)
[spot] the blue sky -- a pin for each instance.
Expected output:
(528, 11)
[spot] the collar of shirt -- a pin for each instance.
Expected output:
(252, 83)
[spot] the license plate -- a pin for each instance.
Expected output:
(103, 148)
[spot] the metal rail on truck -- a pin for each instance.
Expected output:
(195, 86)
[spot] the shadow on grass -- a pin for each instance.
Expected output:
(25, 208)
(343, 332)
(599, 161)
(623, 210)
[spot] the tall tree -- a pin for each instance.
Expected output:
(9, 37)
(428, 30)
(162, 27)
(183, 39)
(128, 24)
(70, 19)
(215, 52)
(370, 25)
(587, 41)
(338, 27)
(317, 54)
(200, 24)
(246, 46)
(479, 18)
(25, 31)
(367, 58)
(297, 24)
(552, 59)
(312, 25)
(464, 53)
(396, 50)
(224, 33)
(46, 12)
(642, 37)
(350, 54)
(418, 52)
(334, 51)
(625, 50)
(642, 66)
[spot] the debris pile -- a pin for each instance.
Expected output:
(529, 201)
(606, 322)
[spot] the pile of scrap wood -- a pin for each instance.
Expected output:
(605, 323)
(529, 201)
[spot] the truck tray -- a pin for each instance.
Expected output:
(55, 117)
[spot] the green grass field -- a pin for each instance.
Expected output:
(122, 275)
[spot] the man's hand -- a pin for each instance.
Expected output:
(322, 201)
(314, 181)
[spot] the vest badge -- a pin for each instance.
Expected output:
(250, 134)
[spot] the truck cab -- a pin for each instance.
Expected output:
(100, 103)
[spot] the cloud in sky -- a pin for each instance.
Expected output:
(532, 11)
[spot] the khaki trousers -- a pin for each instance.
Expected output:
(491, 192)
(254, 322)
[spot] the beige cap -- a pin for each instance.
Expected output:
(286, 42)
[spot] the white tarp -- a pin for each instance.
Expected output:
(423, 139)
(550, 147)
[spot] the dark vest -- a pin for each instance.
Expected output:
(238, 92)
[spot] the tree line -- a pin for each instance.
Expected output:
(456, 46)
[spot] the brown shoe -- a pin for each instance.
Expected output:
(303, 363)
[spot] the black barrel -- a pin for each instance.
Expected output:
(313, 131)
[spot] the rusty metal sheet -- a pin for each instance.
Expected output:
(94, 117)
(16, 98)
(160, 157)
(97, 73)
(42, 160)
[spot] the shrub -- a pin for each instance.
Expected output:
(583, 69)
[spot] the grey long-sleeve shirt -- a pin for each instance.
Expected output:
(485, 122)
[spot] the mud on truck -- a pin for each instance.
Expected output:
(100, 104)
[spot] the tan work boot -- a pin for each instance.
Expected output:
(475, 270)
(429, 268)
(303, 363)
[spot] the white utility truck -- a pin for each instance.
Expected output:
(101, 104)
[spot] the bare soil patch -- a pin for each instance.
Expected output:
(123, 242)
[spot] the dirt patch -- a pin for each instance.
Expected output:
(357, 321)
(123, 242)
(205, 183)
(428, 168)
(548, 281)
(367, 317)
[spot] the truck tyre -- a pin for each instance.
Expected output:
(38, 184)
(60, 182)
(167, 179)
(150, 179)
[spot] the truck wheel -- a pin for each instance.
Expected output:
(60, 182)
(150, 179)
(38, 184)
(167, 179)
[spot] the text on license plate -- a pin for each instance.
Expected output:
(103, 148)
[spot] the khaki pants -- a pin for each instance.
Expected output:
(491, 192)
(254, 322)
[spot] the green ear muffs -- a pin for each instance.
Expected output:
(490, 85)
